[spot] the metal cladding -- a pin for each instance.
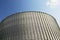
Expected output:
(30, 26)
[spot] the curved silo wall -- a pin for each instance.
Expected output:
(30, 26)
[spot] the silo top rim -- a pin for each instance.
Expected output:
(26, 12)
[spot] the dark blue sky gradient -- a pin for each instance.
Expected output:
(8, 7)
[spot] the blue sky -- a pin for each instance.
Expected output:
(8, 7)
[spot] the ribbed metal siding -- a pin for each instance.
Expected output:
(30, 26)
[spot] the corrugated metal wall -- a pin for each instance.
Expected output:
(30, 26)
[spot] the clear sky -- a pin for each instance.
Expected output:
(8, 7)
